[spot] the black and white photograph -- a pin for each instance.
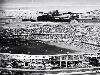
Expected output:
(49, 37)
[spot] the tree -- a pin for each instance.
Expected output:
(55, 13)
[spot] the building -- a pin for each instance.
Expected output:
(40, 62)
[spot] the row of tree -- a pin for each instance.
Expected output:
(51, 16)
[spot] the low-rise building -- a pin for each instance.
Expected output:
(42, 61)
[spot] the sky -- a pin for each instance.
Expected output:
(49, 5)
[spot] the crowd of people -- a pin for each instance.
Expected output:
(78, 35)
